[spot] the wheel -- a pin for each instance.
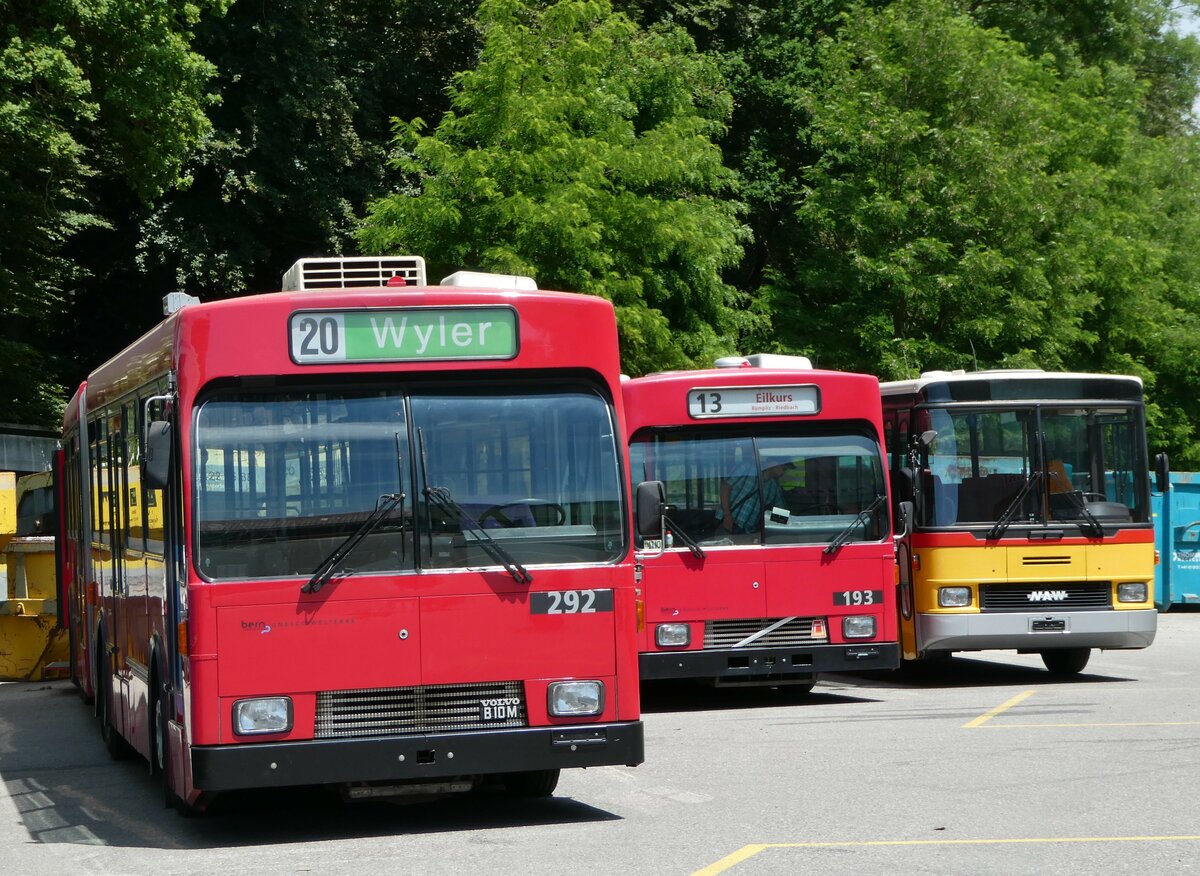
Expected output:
(496, 512)
(116, 747)
(1066, 661)
(536, 783)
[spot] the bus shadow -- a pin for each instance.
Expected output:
(965, 672)
(55, 771)
(667, 697)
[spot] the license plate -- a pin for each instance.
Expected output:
(1048, 625)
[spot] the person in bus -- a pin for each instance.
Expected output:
(742, 502)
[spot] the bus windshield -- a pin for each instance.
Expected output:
(1087, 466)
(284, 477)
(799, 484)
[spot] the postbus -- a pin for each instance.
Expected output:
(1032, 527)
(363, 533)
(773, 560)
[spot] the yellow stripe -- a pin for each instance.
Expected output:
(984, 718)
(1113, 724)
(742, 854)
(747, 852)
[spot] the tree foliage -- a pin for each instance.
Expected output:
(580, 150)
(90, 92)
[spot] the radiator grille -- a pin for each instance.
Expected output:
(1035, 597)
(434, 708)
(727, 633)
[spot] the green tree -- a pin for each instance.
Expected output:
(580, 150)
(91, 95)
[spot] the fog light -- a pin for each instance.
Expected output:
(262, 715)
(858, 627)
(954, 597)
(672, 635)
(564, 698)
(1133, 592)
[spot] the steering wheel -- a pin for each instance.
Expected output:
(496, 512)
(1097, 497)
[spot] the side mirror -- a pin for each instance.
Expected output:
(904, 519)
(902, 484)
(1162, 473)
(649, 500)
(156, 455)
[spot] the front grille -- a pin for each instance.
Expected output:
(727, 633)
(434, 708)
(1036, 597)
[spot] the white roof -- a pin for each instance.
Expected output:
(900, 387)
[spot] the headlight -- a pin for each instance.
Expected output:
(575, 698)
(1134, 592)
(858, 627)
(672, 635)
(954, 597)
(262, 715)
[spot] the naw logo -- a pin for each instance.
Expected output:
(1048, 596)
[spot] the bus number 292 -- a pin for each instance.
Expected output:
(570, 601)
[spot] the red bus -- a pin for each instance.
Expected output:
(774, 559)
(357, 533)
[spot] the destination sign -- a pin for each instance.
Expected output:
(753, 401)
(408, 335)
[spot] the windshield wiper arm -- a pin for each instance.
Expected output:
(383, 506)
(861, 517)
(1089, 522)
(1006, 519)
(688, 541)
(440, 496)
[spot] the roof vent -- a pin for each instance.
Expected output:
(765, 360)
(174, 301)
(481, 280)
(353, 272)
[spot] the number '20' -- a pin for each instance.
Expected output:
(322, 332)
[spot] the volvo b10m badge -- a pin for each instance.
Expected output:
(500, 709)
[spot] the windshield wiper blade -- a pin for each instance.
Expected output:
(383, 506)
(861, 517)
(441, 497)
(1089, 523)
(1006, 519)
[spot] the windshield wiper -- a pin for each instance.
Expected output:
(441, 497)
(688, 541)
(383, 506)
(861, 517)
(1089, 523)
(1006, 519)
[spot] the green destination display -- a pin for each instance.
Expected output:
(416, 334)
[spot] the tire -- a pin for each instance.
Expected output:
(116, 747)
(1066, 661)
(536, 783)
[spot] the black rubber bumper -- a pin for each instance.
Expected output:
(415, 758)
(765, 664)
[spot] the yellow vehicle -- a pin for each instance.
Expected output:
(1032, 527)
(33, 646)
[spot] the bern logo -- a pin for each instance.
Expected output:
(1048, 596)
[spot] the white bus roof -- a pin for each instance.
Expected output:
(901, 387)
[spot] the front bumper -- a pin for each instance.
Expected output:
(1016, 630)
(765, 664)
(415, 758)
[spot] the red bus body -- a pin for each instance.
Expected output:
(772, 606)
(436, 671)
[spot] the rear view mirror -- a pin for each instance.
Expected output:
(156, 455)
(1162, 473)
(650, 500)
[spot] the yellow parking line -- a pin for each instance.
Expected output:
(987, 716)
(747, 852)
(1112, 724)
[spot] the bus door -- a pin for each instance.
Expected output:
(904, 484)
